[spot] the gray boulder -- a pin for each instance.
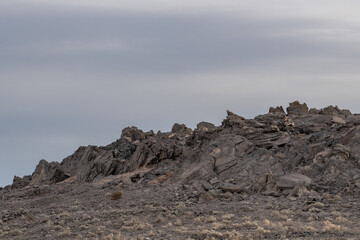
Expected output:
(291, 180)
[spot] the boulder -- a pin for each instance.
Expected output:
(291, 180)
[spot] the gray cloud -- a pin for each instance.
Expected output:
(71, 78)
(133, 43)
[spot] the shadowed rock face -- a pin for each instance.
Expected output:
(48, 173)
(281, 175)
(302, 150)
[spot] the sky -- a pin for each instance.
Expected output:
(75, 73)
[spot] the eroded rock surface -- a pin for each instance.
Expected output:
(320, 147)
(299, 154)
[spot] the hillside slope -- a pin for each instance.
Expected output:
(299, 159)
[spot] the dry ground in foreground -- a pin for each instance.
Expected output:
(87, 211)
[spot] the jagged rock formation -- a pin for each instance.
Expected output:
(48, 173)
(306, 151)
(281, 175)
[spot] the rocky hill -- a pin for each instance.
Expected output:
(318, 147)
(294, 155)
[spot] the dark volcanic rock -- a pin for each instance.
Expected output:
(233, 120)
(133, 134)
(296, 108)
(331, 110)
(267, 154)
(180, 128)
(19, 182)
(205, 126)
(278, 109)
(48, 173)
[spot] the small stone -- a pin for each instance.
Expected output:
(228, 195)
(215, 180)
(207, 186)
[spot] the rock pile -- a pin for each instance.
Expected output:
(301, 152)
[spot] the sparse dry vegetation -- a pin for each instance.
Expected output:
(115, 195)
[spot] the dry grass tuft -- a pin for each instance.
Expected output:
(178, 222)
(330, 227)
(341, 219)
(272, 225)
(308, 228)
(218, 226)
(64, 233)
(249, 224)
(338, 197)
(210, 219)
(228, 216)
(234, 235)
(318, 205)
(260, 231)
(30, 218)
(211, 233)
(115, 195)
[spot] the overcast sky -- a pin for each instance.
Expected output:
(76, 73)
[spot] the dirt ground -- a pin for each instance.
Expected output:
(170, 211)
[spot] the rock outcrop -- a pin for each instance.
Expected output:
(296, 108)
(19, 182)
(48, 173)
(276, 153)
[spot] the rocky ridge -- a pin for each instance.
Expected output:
(282, 175)
(315, 150)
